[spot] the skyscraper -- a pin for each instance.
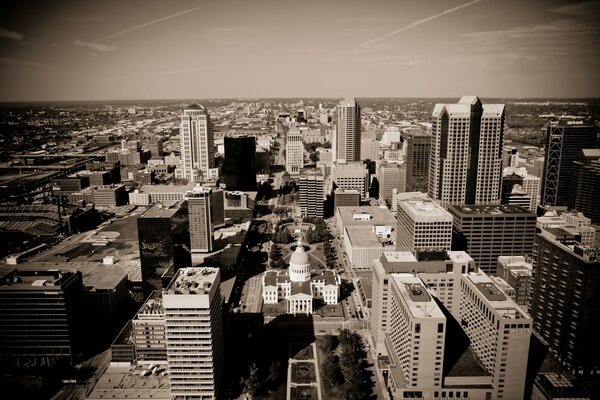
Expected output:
(351, 176)
(391, 176)
(197, 144)
(163, 235)
(311, 193)
(192, 306)
(466, 152)
(585, 182)
(347, 141)
(294, 151)
(201, 223)
(564, 303)
(239, 166)
(40, 314)
(418, 148)
(564, 141)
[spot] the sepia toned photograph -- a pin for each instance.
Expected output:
(287, 200)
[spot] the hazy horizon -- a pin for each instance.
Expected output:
(151, 50)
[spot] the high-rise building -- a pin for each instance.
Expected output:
(564, 304)
(564, 141)
(192, 306)
(163, 236)
(343, 198)
(311, 185)
(200, 218)
(351, 176)
(585, 181)
(527, 183)
(294, 151)
(466, 152)
(197, 144)
(40, 314)
(445, 330)
(418, 149)
(148, 328)
(347, 141)
(487, 232)
(422, 224)
(239, 166)
(518, 273)
(390, 176)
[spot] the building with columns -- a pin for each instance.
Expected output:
(299, 287)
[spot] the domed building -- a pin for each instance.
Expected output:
(298, 286)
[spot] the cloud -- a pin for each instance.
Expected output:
(5, 33)
(94, 46)
(584, 9)
(23, 63)
(154, 21)
(419, 22)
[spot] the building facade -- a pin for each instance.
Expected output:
(487, 232)
(564, 141)
(312, 193)
(466, 152)
(418, 150)
(197, 144)
(391, 176)
(200, 218)
(294, 151)
(347, 141)
(192, 305)
(239, 165)
(584, 183)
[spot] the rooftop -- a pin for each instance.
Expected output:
(153, 306)
(420, 303)
(362, 236)
(19, 279)
(425, 209)
(160, 211)
(193, 281)
(378, 215)
(491, 210)
(502, 305)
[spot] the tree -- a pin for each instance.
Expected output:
(309, 236)
(275, 373)
(252, 383)
(314, 157)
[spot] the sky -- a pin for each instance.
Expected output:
(184, 49)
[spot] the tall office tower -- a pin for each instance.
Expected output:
(164, 240)
(529, 184)
(217, 207)
(294, 151)
(487, 232)
(40, 313)
(418, 149)
(347, 141)
(564, 141)
(311, 185)
(466, 152)
(391, 176)
(194, 333)
(510, 157)
(351, 176)
(201, 223)
(422, 224)
(479, 337)
(564, 303)
(584, 183)
(239, 166)
(197, 144)
(148, 328)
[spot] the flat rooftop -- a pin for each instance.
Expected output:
(362, 236)
(194, 280)
(399, 256)
(24, 279)
(367, 215)
(160, 211)
(425, 209)
(166, 188)
(504, 209)
(153, 306)
(420, 303)
(502, 305)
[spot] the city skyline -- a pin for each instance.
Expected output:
(190, 49)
